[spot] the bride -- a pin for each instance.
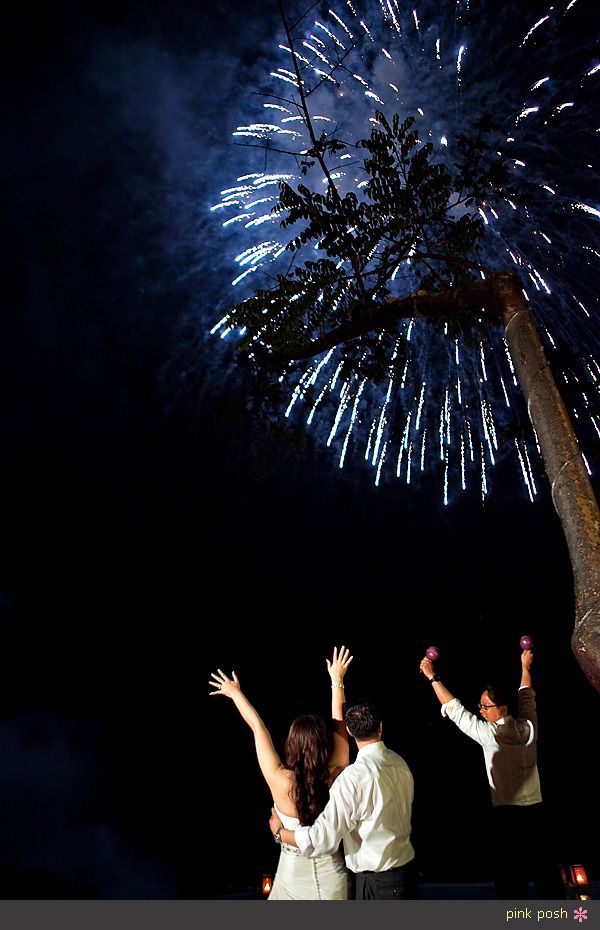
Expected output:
(300, 781)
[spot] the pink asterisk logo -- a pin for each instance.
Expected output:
(580, 914)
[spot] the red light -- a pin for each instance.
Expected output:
(267, 884)
(579, 875)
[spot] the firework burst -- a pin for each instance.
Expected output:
(450, 403)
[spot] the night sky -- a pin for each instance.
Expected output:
(149, 536)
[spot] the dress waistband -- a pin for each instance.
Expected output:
(290, 850)
(294, 851)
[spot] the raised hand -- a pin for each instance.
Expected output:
(527, 659)
(224, 685)
(339, 663)
(426, 667)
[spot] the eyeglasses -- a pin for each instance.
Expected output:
(486, 706)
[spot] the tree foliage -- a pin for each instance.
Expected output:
(416, 228)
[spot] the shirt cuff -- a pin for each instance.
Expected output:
(302, 838)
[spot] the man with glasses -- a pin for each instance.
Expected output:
(520, 839)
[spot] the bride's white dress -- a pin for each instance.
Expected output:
(308, 878)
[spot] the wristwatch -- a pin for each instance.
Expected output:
(435, 678)
(277, 837)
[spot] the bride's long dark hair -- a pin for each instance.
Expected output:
(306, 754)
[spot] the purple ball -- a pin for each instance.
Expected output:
(432, 653)
(526, 642)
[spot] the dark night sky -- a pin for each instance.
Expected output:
(144, 545)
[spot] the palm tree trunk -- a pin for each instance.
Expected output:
(572, 492)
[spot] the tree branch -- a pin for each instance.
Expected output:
(315, 145)
(433, 306)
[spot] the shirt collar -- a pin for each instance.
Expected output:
(371, 747)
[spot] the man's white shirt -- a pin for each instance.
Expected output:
(509, 750)
(369, 808)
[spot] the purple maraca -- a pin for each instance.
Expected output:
(433, 653)
(526, 642)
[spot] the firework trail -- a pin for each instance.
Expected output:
(454, 406)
